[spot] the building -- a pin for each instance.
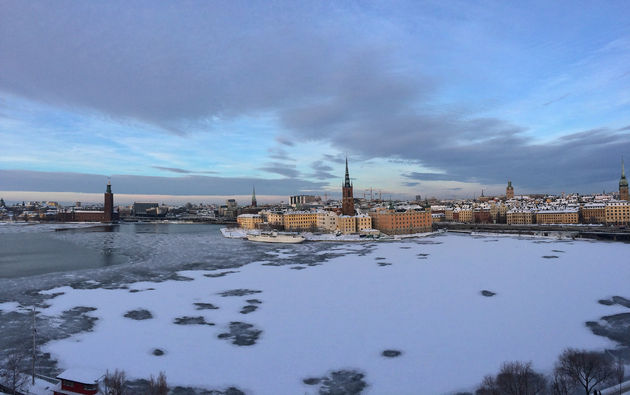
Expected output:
(108, 214)
(520, 217)
(623, 184)
(618, 213)
(347, 224)
(463, 215)
(566, 216)
(273, 218)
(593, 213)
(482, 216)
(254, 203)
(364, 222)
(394, 222)
(108, 206)
(347, 203)
(299, 220)
(509, 191)
(144, 209)
(78, 381)
(327, 221)
(249, 221)
(298, 200)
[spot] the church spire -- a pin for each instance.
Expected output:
(347, 180)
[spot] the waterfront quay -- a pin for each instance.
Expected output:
(599, 232)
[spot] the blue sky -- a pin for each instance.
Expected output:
(210, 98)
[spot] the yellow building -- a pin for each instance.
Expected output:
(593, 213)
(520, 217)
(275, 218)
(568, 216)
(618, 213)
(249, 221)
(300, 220)
(364, 222)
(465, 215)
(448, 214)
(347, 224)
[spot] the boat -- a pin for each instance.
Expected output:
(275, 237)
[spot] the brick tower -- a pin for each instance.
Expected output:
(108, 206)
(509, 191)
(623, 184)
(254, 204)
(347, 204)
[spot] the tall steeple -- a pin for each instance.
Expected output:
(623, 184)
(254, 197)
(109, 186)
(347, 203)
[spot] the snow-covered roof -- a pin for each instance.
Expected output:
(81, 375)
(249, 216)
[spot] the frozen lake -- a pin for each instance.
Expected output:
(214, 313)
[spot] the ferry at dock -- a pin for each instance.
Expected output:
(275, 237)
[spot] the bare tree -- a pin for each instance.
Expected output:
(488, 387)
(114, 383)
(10, 374)
(158, 386)
(587, 369)
(561, 385)
(619, 373)
(518, 378)
(514, 378)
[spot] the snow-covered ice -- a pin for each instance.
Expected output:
(344, 313)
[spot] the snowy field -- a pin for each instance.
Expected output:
(421, 297)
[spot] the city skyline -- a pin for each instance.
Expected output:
(434, 99)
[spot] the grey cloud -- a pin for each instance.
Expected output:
(427, 176)
(282, 169)
(279, 154)
(23, 180)
(410, 184)
(183, 171)
(119, 58)
(285, 141)
(322, 171)
(173, 169)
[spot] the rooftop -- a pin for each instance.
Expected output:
(81, 375)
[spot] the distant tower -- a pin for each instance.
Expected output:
(254, 197)
(108, 209)
(623, 184)
(347, 204)
(509, 191)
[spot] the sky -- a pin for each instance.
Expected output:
(431, 98)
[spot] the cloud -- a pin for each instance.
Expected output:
(172, 169)
(279, 154)
(119, 59)
(322, 171)
(428, 176)
(410, 184)
(329, 73)
(283, 169)
(23, 180)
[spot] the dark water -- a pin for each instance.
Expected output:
(38, 250)
(37, 257)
